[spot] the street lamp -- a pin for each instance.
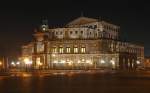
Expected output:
(27, 62)
(13, 64)
(18, 63)
(102, 61)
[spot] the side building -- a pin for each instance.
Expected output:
(84, 43)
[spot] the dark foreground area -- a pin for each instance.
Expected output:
(123, 82)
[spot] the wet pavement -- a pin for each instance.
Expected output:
(119, 82)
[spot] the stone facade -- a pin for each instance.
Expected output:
(84, 43)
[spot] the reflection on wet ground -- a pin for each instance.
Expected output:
(129, 82)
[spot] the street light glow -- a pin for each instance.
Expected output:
(138, 62)
(18, 63)
(53, 55)
(13, 63)
(27, 61)
(39, 63)
(112, 62)
(0, 63)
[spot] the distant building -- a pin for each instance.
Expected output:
(147, 62)
(84, 43)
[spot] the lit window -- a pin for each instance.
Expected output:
(68, 49)
(102, 61)
(38, 60)
(40, 47)
(75, 50)
(54, 50)
(61, 50)
(83, 50)
(82, 59)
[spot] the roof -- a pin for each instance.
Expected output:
(82, 20)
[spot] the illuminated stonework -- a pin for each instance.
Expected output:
(84, 43)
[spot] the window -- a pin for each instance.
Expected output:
(38, 60)
(90, 33)
(61, 50)
(81, 32)
(96, 34)
(95, 26)
(76, 32)
(40, 47)
(82, 59)
(56, 33)
(83, 50)
(68, 50)
(70, 32)
(60, 33)
(75, 50)
(54, 50)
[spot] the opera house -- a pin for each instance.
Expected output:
(84, 43)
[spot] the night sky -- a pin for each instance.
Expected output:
(19, 18)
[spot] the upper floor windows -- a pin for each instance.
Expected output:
(68, 49)
(70, 32)
(60, 33)
(75, 50)
(83, 50)
(54, 49)
(76, 32)
(56, 33)
(61, 49)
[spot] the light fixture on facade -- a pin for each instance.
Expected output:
(62, 61)
(27, 61)
(53, 55)
(13, 63)
(138, 62)
(18, 63)
(112, 62)
(102, 61)
(70, 63)
(79, 61)
(55, 61)
(39, 63)
(89, 62)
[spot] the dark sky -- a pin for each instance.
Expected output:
(19, 18)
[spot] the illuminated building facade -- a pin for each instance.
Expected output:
(84, 43)
(147, 62)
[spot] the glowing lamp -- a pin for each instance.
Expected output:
(102, 61)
